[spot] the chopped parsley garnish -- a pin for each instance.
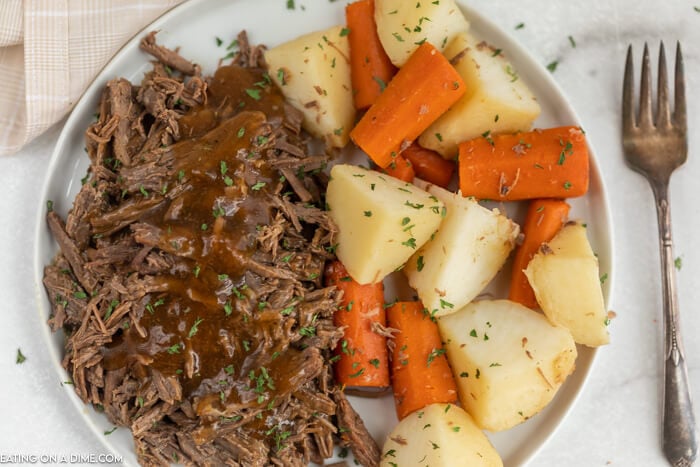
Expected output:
(380, 82)
(420, 264)
(194, 328)
(254, 93)
(435, 354)
(20, 357)
(411, 242)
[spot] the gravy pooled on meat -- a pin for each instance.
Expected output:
(189, 278)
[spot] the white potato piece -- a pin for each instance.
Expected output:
(403, 25)
(508, 360)
(464, 255)
(496, 101)
(565, 277)
(313, 73)
(381, 220)
(440, 435)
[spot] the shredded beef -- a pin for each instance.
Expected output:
(189, 277)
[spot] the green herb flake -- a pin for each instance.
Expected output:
(420, 264)
(290, 5)
(512, 73)
(552, 66)
(20, 357)
(435, 353)
(258, 186)
(572, 42)
(519, 26)
(567, 185)
(411, 243)
(380, 82)
(218, 41)
(413, 205)
(344, 32)
(254, 93)
(194, 328)
(368, 213)
(109, 432)
(678, 263)
(397, 36)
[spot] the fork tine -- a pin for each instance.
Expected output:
(679, 112)
(628, 122)
(645, 117)
(663, 112)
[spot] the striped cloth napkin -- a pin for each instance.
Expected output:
(50, 50)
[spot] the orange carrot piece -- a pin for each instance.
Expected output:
(543, 220)
(401, 168)
(370, 66)
(420, 373)
(423, 89)
(551, 163)
(429, 165)
(362, 355)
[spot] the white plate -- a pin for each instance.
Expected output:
(193, 27)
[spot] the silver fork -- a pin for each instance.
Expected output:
(655, 144)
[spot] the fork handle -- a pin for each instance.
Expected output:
(679, 433)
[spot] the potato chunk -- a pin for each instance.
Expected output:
(509, 361)
(565, 277)
(496, 101)
(313, 73)
(440, 435)
(402, 25)
(381, 220)
(468, 250)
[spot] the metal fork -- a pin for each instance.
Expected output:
(655, 144)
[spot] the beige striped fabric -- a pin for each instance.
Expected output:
(50, 50)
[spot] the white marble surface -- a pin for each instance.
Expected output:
(616, 420)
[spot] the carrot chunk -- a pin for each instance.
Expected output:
(420, 373)
(429, 165)
(370, 66)
(423, 89)
(362, 355)
(551, 163)
(543, 220)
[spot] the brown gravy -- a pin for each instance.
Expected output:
(194, 330)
